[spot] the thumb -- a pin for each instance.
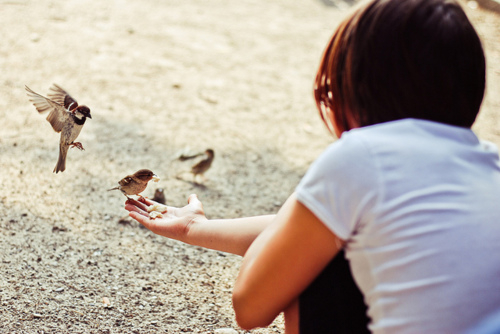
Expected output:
(195, 203)
(193, 199)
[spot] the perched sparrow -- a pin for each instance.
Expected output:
(65, 116)
(201, 167)
(159, 196)
(136, 183)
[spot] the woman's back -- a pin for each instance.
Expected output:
(417, 202)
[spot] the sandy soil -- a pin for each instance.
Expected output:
(159, 77)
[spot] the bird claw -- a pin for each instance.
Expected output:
(78, 145)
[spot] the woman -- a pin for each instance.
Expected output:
(408, 191)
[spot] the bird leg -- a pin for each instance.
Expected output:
(78, 145)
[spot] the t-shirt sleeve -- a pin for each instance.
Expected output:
(341, 186)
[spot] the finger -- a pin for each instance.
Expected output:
(193, 199)
(136, 203)
(143, 219)
(133, 208)
(132, 201)
(194, 202)
(146, 201)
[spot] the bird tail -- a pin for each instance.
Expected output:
(184, 157)
(61, 162)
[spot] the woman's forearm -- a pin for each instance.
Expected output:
(190, 225)
(227, 235)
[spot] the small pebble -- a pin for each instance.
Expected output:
(97, 252)
(35, 37)
(59, 290)
(37, 315)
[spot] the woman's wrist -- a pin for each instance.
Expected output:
(193, 233)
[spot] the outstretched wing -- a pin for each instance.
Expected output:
(57, 115)
(62, 97)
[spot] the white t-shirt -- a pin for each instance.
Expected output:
(418, 203)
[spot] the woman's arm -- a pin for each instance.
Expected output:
(281, 262)
(189, 224)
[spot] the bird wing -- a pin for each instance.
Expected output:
(201, 167)
(57, 115)
(62, 97)
(125, 181)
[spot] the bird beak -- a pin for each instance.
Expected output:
(155, 178)
(89, 116)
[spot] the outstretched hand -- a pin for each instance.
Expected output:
(174, 224)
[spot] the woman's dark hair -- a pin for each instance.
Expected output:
(394, 59)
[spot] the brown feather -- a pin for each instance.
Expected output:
(57, 116)
(62, 97)
(136, 183)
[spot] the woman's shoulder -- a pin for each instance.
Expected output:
(397, 145)
(408, 135)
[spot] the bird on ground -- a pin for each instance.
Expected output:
(201, 167)
(198, 168)
(136, 183)
(160, 196)
(65, 116)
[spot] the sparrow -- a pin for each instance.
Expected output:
(65, 116)
(136, 183)
(160, 196)
(201, 167)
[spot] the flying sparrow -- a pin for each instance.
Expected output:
(201, 167)
(65, 116)
(136, 183)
